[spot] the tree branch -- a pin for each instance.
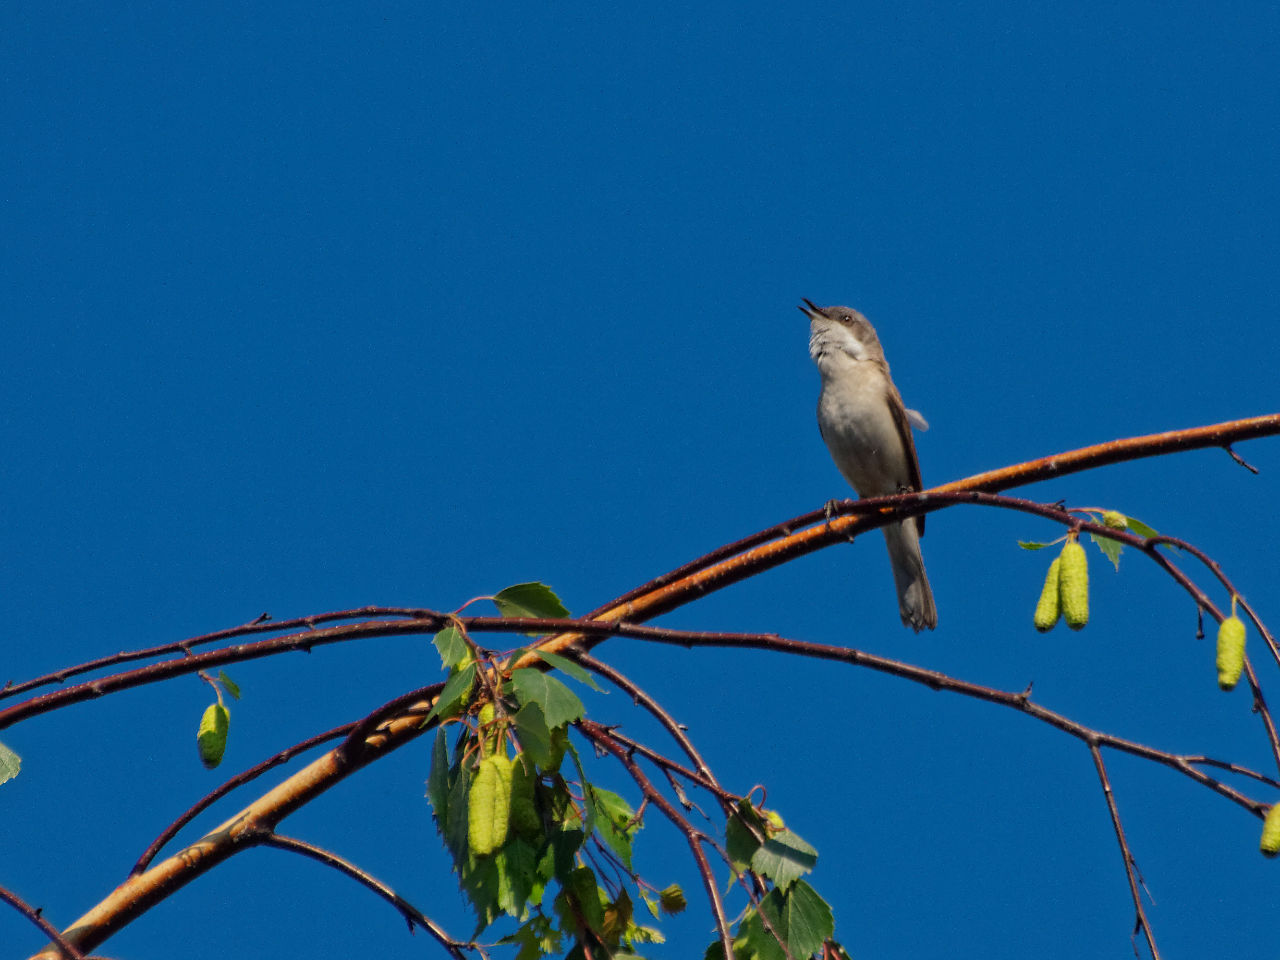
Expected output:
(769, 549)
(411, 913)
(1140, 922)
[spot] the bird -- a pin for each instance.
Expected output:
(867, 429)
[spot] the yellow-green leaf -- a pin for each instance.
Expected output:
(10, 763)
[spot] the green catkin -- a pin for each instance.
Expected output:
(489, 805)
(1115, 520)
(1073, 584)
(1049, 609)
(1270, 844)
(211, 738)
(1230, 652)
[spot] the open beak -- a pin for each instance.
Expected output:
(810, 309)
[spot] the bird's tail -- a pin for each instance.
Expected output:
(915, 599)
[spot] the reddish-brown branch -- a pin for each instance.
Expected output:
(1140, 921)
(669, 767)
(168, 669)
(239, 780)
(690, 582)
(47, 928)
(693, 836)
(411, 913)
(936, 680)
(642, 699)
(715, 570)
(260, 624)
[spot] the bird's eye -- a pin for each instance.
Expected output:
(846, 318)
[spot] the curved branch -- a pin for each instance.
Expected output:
(238, 780)
(250, 827)
(260, 624)
(639, 697)
(665, 594)
(600, 735)
(719, 569)
(47, 928)
(168, 669)
(1021, 702)
(411, 913)
(139, 893)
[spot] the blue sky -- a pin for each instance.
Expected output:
(317, 306)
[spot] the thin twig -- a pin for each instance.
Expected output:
(1240, 460)
(256, 625)
(411, 913)
(937, 680)
(47, 928)
(1233, 768)
(693, 836)
(239, 780)
(668, 722)
(670, 767)
(1140, 922)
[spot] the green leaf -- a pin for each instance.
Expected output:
(784, 857)
(481, 883)
(800, 917)
(742, 834)
(529, 600)
(1140, 528)
(557, 858)
(229, 685)
(559, 746)
(538, 938)
(438, 779)
(454, 651)
(754, 941)
(513, 658)
(579, 901)
(613, 821)
(1033, 545)
(617, 918)
(535, 738)
(1110, 548)
(10, 763)
(637, 934)
(588, 808)
(456, 692)
(650, 901)
(568, 666)
(559, 704)
(455, 826)
(526, 819)
(517, 863)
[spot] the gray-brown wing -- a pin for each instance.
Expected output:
(909, 445)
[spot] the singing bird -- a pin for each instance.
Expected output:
(867, 428)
